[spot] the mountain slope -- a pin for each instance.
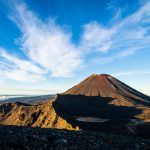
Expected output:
(107, 86)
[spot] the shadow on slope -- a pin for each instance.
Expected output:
(70, 107)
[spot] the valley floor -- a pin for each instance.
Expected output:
(28, 138)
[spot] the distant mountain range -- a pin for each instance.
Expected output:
(100, 102)
(25, 98)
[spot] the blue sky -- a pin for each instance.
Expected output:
(48, 46)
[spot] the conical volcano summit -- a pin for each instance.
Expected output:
(104, 85)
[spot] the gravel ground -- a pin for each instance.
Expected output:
(27, 138)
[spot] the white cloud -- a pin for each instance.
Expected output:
(46, 44)
(20, 70)
(23, 65)
(19, 75)
(97, 38)
(123, 38)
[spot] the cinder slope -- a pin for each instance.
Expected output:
(107, 86)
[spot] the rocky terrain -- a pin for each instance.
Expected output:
(27, 138)
(41, 115)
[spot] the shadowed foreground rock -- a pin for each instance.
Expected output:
(28, 138)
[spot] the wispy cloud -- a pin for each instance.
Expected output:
(130, 73)
(122, 38)
(46, 44)
(33, 91)
(111, 4)
(14, 68)
(96, 37)
(24, 65)
(117, 56)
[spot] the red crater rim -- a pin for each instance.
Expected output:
(100, 76)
